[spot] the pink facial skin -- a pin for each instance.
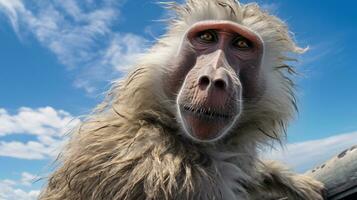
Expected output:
(217, 68)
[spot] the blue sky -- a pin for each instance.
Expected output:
(58, 58)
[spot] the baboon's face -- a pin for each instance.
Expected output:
(217, 67)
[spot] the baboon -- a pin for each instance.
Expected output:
(188, 121)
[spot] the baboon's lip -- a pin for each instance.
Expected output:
(207, 113)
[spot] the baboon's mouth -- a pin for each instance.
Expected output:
(205, 124)
(206, 113)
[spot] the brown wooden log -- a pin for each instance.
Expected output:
(339, 175)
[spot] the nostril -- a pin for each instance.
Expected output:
(220, 84)
(204, 81)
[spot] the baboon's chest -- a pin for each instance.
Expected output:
(230, 179)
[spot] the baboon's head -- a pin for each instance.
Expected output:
(223, 65)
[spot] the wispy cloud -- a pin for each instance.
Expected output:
(306, 155)
(10, 189)
(78, 33)
(317, 52)
(27, 178)
(46, 125)
(270, 7)
(113, 61)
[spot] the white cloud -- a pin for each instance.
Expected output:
(79, 33)
(303, 156)
(10, 189)
(41, 121)
(31, 150)
(46, 124)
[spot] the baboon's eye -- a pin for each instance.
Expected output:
(208, 36)
(242, 43)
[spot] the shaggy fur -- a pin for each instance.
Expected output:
(132, 146)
